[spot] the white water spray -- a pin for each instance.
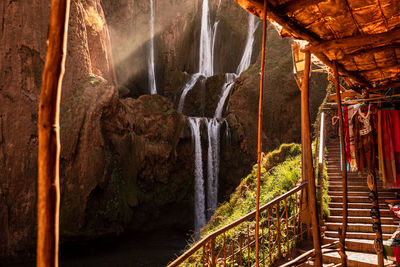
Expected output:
(199, 197)
(206, 53)
(152, 75)
(243, 65)
(226, 89)
(206, 63)
(186, 88)
(213, 130)
(248, 50)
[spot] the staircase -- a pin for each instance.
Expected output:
(360, 236)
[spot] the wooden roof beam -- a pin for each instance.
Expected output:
(358, 42)
(385, 87)
(299, 32)
(370, 50)
(281, 19)
(295, 5)
(353, 75)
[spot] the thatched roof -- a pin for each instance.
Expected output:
(362, 36)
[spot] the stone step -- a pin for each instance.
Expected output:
(339, 205)
(357, 187)
(381, 194)
(360, 227)
(355, 259)
(362, 219)
(357, 184)
(365, 212)
(360, 245)
(356, 199)
(360, 181)
(356, 235)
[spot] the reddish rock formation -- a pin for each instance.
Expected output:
(107, 143)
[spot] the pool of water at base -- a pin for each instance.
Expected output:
(150, 249)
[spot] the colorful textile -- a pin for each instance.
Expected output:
(396, 254)
(351, 111)
(364, 140)
(346, 133)
(391, 147)
(381, 164)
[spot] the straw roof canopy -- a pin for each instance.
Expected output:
(362, 36)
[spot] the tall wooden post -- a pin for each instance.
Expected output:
(259, 148)
(307, 157)
(49, 136)
(342, 234)
(375, 213)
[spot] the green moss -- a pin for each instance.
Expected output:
(281, 170)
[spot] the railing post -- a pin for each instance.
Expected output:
(212, 252)
(278, 230)
(307, 157)
(375, 213)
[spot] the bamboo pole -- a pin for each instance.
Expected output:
(342, 237)
(307, 157)
(49, 136)
(260, 106)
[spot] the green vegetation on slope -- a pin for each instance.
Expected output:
(280, 172)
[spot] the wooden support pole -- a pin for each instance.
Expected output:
(307, 157)
(259, 147)
(49, 136)
(344, 169)
(375, 213)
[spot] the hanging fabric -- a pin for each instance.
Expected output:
(351, 111)
(381, 164)
(364, 139)
(346, 133)
(391, 147)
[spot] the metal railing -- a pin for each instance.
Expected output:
(234, 244)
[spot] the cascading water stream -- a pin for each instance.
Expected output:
(213, 130)
(199, 197)
(152, 75)
(243, 65)
(186, 88)
(206, 53)
(226, 89)
(248, 50)
(206, 191)
(206, 66)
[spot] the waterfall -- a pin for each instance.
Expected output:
(152, 76)
(186, 88)
(248, 50)
(243, 65)
(199, 197)
(213, 131)
(226, 89)
(206, 53)
(206, 191)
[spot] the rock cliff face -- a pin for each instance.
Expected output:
(127, 157)
(117, 155)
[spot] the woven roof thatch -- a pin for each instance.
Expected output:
(362, 36)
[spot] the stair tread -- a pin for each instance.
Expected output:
(348, 232)
(354, 258)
